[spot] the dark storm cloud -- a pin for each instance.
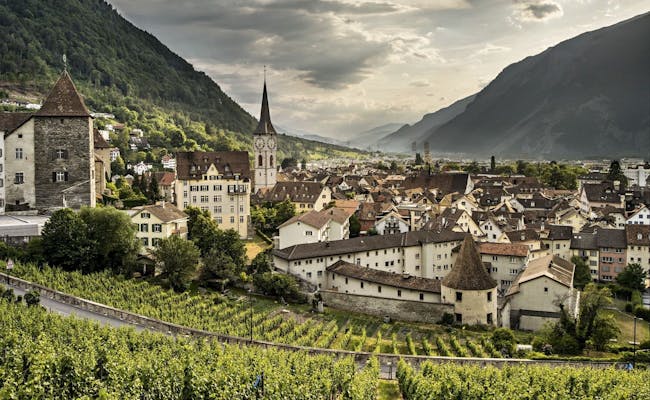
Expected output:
(313, 37)
(528, 10)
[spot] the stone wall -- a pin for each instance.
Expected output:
(359, 356)
(75, 137)
(403, 310)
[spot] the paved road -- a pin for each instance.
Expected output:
(66, 310)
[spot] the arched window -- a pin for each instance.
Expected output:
(270, 161)
(260, 161)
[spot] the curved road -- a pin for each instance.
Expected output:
(67, 310)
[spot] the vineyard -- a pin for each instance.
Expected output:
(46, 356)
(216, 313)
(452, 381)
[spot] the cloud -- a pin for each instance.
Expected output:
(536, 10)
(489, 49)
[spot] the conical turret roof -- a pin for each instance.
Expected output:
(468, 272)
(265, 127)
(63, 100)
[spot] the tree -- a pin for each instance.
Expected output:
(289, 162)
(261, 263)
(153, 191)
(418, 159)
(592, 300)
(118, 167)
(473, 168)
(202, 229)
(283, 212)
(355, 226)
(632, 277)
(504, 340)
(616, 173)
(582, 274)
(493, 164)
(112, 237)
(64, 240)
(278, 285)
(178, 260)
(605, 328)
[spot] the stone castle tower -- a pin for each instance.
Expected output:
(265, 141)
(470, 288)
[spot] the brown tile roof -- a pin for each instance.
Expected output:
(523, 235)
(297, 192)
(63, 100)
(559, 232)
(553, 267)
(633, 231)
(311, 218)
(468, 272)
(100, 142)
(165, 213)
(503, 249)
(385, 278)
(165, 178)
(9, 121)
(446, 183)
(193, 164)
(366, 243)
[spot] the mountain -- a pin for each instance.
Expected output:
(587, 96)
(369, 138)
(402, 139)
(126, 71)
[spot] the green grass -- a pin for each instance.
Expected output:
(626, 324)
(388, 390)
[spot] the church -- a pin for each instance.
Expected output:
(47, 158)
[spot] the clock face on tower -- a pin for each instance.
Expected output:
(259, 143)
(271, 142)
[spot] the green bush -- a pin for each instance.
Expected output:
(278, 285)
(447, 319)
(642, 312)
(32, 298)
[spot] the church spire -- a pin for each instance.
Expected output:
(265, 127)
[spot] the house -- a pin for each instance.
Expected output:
(168, 162)
(49, 156)
(638, 175)
(422, 253)
(595, 195)
(218, 182)
(538, 292)
(638, 245)
(391, 223)
(506, 261)
(571, 217)
(166, 182)
(140, 168)
(444, 183)
(115, 152)
(640, 216)
(604, 250)
(557, 239)
(470, 288)
(306, 196)
(157, 222)
(314, 226)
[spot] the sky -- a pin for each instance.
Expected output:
(340, 67)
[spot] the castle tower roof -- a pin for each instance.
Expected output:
(265, 127)
(63, 100)
(468, 272)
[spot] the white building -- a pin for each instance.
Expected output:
(639, 175)
(641, 216)
(313, 227)
(168, 162)
(506, 261)
(265, 143)
(157, 222)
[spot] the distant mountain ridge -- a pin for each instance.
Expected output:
(402, 139)
(585, 97)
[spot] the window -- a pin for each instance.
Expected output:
(260, 161)
(232, 220)
(459, 296)
(378, 289)
(421, 296)
(459, 318)
(489, 296)
(19, 153)
(156, 228)
(60, 176)
(60, 154)
(319, 273)
(489, 319)
(19, 178)
(145, 241)
(217, 209)
(308, 274)
(545, 290)
(399, 293)
(144, 227)
(155, 241)
(270, 161)
(361, 285)
(346, 281)
(2, 182)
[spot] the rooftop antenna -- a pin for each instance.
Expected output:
(65, 62)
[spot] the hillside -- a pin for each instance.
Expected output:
(587, 96)
(122, 69)
(402, 139)
(371, 137)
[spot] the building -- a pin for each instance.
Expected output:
(641, 216)
(638, 245)
(168, 162)
(217, 181)
(604, 250)
(557, 239)
(157, 222)
(265, 142)
(102, 162)
(50, 158)
(391, 223)
(470, 288)
(537, 293)
(424, 254)
(313, 227)
(506, 261)
(305, 196)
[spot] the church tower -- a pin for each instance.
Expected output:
(265, 142)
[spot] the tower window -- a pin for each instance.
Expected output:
(270, 161)
(59, 176)
(260, 161)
